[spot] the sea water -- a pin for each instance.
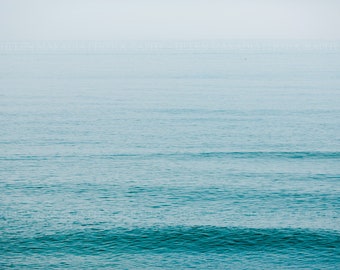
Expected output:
(170, 159)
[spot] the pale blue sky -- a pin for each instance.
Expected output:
(175, 19)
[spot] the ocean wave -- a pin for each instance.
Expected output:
(177, 239)
(289, 155)
(185, 155)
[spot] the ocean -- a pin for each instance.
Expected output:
(170, 157)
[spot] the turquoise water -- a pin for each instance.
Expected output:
(170, 159)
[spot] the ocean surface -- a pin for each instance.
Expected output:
(170, 158)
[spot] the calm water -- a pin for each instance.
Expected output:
(170, 160)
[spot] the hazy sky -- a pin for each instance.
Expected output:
(168, 19)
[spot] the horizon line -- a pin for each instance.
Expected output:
(170, 44)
